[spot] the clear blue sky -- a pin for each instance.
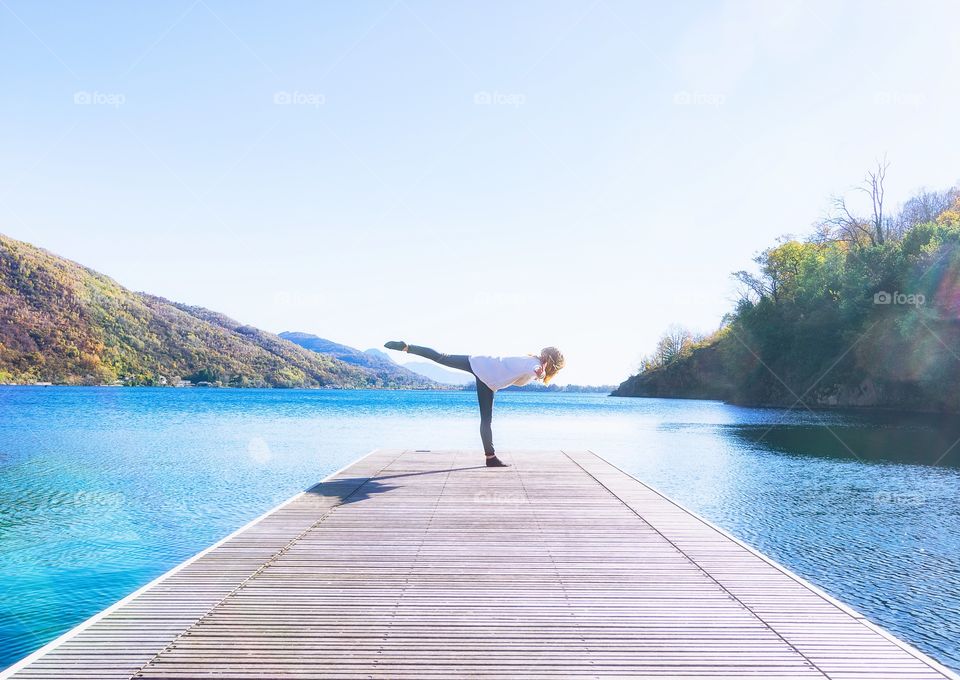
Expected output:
(483, 178)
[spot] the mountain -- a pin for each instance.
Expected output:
(64, 323)
(387, 371)
(342, 352)
(379, 354)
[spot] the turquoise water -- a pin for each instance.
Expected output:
(103, 489)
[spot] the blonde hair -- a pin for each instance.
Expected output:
(553, 361)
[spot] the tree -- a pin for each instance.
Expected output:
(207, 374)
(873, 187)
(753, 288)
(675, 343)
(843, 224)
(925, 207)
(952, 214)
(779, 271)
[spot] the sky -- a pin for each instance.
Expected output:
(483, 178)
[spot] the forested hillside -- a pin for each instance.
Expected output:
(864, 312)
(61, 322)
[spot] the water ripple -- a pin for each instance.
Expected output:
(102, 490)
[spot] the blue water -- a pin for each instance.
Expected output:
(103, 489)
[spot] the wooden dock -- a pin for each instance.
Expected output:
(424, 564)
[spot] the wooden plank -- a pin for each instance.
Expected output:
(145, 621)
(427, 564)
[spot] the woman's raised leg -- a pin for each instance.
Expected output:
(459, 361)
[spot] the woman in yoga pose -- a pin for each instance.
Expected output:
(492, 374)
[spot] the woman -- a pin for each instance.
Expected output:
(492, 374)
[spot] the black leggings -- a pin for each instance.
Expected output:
(484, 393)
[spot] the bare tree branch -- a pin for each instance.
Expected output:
(873, 186)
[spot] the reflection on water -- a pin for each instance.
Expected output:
(101, 490)
(896, 438)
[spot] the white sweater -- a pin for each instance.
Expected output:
(499, 372)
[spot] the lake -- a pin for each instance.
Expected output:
(103, 489)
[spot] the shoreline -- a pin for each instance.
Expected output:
(438, 388)
(800, 406)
